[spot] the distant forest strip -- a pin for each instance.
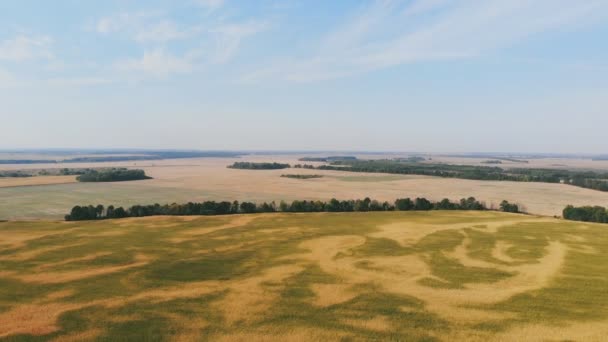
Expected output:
(15, 174)
(99, 212)
(137, 156)
(258, 166)
(27, 161)
(586, 214)
(327, 159)
(488, 156)
(112, 175)
(48, 172)
(302, 176)
(583, 179)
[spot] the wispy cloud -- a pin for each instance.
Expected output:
(157, 62)
(23, 47)
(163, 31)
(228, 38)
(77, 81)
(144, 27)
(210, 4)
(121, 21)
(391, 32)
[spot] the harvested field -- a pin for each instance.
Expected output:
(38, 180)
(197, 180)
(432, 276)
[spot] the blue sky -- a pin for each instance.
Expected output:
(410, 75)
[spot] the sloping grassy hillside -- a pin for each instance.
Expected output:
(348, 276)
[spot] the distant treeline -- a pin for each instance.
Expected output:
(14, 174)
(489, 156)
(586, 214)
(47, 172)
(90, 212)
(414, 159)
(584, 179)
(327, 159)
(491, 162)
(27, 161)
(136, 156)
(109, 159)
(112, 175)
(302, 176)
(258, 166)
(304, 166)
(513, 160)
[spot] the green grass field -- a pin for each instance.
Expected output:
(427, 276)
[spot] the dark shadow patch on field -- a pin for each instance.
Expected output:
(223, 266)
(381, 247)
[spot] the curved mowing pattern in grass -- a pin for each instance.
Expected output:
(381, 276)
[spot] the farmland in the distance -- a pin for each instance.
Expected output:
(208, 179)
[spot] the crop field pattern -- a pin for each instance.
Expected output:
(428, 276)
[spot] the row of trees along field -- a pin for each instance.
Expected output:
(298, 176)
(584, 179)
(14, 174)
(112, 175)
(586, 214)
(258, 166)
(89, 212)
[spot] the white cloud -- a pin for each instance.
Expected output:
(229, 37)
(392, 32)
(144, 27)
(23, 47)
(418, 7)
(78, 81)
(157, 63)
(161, 32)
(119, 22)
(210, 4)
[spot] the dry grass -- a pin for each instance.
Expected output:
(589, 332)
(248, 300)
(373, 276)
(69, 276)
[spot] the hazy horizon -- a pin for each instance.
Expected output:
(433, 76)
(127, 150)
